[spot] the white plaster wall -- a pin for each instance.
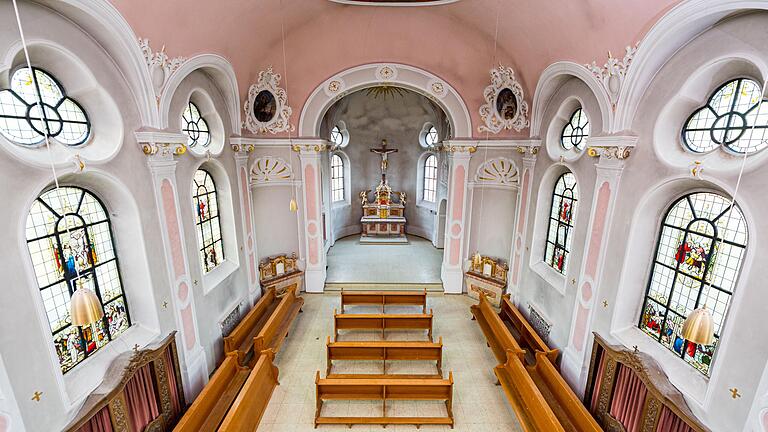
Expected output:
(276, 226)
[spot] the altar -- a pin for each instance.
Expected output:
(383, 220)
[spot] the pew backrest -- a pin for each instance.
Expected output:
(530, 339)
(241, 335)
(384, 298)
(382, 322)
(496, 333)
(248, 409)
(270, 336)
(384, 351)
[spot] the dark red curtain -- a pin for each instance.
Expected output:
(174, 389)
(598, 383)
(100, 422)
(670, 422)
(628, 399)
(141, 399)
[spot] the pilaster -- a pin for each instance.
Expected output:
(456, 229)
(312, 201)
(612, 153)
(529, 153)
(162, 150)
(241, 153)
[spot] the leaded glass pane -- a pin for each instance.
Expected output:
(560, 230)
(698, 257)
(337, 178)
(431, 137)
(208, 224)
(336, 137)
(430, 178)
(195, 126)
(576, 131)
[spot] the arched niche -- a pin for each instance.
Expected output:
(198, 88)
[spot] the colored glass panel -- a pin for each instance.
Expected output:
(560, 231)
(207, 221)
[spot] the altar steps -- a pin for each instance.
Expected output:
(368, 286)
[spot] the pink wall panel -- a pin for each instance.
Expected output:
(458, 192)
(598, 229)
(172, 225)
(187, 321)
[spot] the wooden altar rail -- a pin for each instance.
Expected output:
(384, 389)
(568, 409)
(533, 412)
(385, 351)
(240, 340)
(248, 409)
(276, 328)
(384, 298)
(382, 322)
(211, 405)
(498, 336)
(529, 339)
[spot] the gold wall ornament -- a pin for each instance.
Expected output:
(734, 393)
(610, 152)
(697, 170)
(460, 149)
(385, 91)
(85, 307)
(36, 396)
(164, 305)
(699, 327)
(527, 150)
(477, 259)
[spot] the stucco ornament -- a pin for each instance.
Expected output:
(499, 171)
(270, 170)
(266, 108)
(160, 66)
(612, 74)
(505, 106)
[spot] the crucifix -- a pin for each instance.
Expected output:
(383, 151)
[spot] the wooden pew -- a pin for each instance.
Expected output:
(384, 298)
(247, 410)
(529, 404)
(496, 333)
(276, 328)
(384, 389)
(211, 406)
(568, 409)
(528, 338)
(240, 340)
(384, 351)
(382, 322)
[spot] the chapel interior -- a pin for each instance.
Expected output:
(369, 215)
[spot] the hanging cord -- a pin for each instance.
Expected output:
(285, 76)
(44, 119)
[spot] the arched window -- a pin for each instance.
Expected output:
(337, 178)
(336, 138)
(195, 126)
(208, 223)
(698, 256)
(431, 137)
(430, 178)
(560, 232)
(69, 237)
(576, 131)
(727, 120)
(23, 122)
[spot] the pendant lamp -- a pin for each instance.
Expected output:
(699, 327)
(85, 307)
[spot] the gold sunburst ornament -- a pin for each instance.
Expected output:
(385, 91)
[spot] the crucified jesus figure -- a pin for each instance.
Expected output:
(383, 151)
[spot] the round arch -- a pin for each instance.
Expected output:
(370, 75)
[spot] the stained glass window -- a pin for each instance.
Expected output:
(430, 178)
(195, 126)
(336, 137)
(337, 178)
(207, 221)
(23, 122)
(698, 256)
(728, 119)
(576, 131)
(560, 231)
(69, 237)
(431, 137)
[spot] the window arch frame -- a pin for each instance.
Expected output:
(552, 243)
(709, 265)
(428, 179)
(201, 221)
(43, 118)
(582, 137)
(338, 178)
(69, 277)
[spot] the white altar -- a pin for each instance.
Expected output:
(383, 220)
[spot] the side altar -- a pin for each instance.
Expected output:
(383, 220)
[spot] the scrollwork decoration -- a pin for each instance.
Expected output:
(505, 106)
(266, 107)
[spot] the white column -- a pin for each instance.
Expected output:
(612, 153)
(456, 229)
(161, 150)
(241, 153)
(521, 219)
(311, 206)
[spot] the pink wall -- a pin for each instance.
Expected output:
(453, 41)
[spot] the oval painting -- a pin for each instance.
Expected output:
(264, 106)
(506, 104)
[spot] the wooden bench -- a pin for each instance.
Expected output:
(497, 334)
(532, 410)
(568, 409)
(384, 298)
(382, 322)
(385, 351)
(240, 340)
(524, 332)
(276, 328)
(247, 410)
(211, 405)
(384, 389)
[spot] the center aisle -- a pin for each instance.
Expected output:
(479, 405)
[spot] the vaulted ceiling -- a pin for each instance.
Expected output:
(454, 41)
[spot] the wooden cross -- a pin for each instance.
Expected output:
(734, 393)
(36, 396)
(383, 151)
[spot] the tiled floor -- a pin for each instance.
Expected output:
(479, 405)
(416, 262)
